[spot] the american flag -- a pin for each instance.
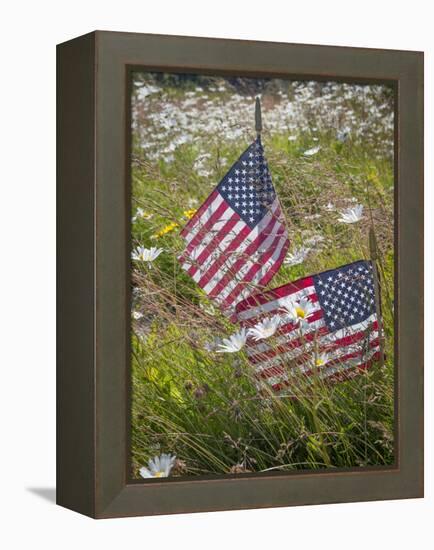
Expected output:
(338, 337)
(237, 240)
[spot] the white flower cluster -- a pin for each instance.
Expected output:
(293, 311)
(297, 108)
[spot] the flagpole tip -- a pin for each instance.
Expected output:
(258, 116)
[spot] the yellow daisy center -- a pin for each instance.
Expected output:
(319, 362)
(300, 312)
(160, 474)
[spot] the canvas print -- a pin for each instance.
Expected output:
(262, 275)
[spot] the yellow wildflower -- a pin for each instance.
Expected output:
(190, 213)
(165, 230)
(373, 177)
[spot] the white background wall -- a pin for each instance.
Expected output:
(29, 32)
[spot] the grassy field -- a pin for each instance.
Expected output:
(329, 147)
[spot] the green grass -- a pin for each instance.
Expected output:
(205, 407)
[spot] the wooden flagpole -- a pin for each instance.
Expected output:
(374, 257)
(258, 117)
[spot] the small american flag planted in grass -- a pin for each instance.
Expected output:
(325, 324)
(237, 240)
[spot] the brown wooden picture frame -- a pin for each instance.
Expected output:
(93, 371)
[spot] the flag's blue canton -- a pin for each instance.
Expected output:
(247, 186)
(346, 294)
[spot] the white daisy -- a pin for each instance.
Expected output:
(234, 343)
(314, 240)
(209, 309)
(142, 254)
(312, 217)
(265, 328)
(192, 202)
(296, 257)
(136, 315)
(321, 359)
(352, 215)
(298, 311)
(311, 152)
(344, 134)
(140, 213)
(159, 466)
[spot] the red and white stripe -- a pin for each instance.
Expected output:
(292, 351)
(227, 258)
